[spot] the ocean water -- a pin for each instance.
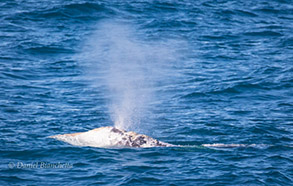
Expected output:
(184, 72)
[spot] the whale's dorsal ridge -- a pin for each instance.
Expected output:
(110, 137)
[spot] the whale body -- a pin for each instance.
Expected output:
(110, 137)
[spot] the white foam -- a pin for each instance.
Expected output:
(222, 145)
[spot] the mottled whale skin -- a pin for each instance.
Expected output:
(110, 137)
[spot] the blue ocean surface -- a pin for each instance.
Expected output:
(188, 73)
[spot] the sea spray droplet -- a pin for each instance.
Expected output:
(129, 68)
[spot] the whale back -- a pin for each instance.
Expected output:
(110, 137)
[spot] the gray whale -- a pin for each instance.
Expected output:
(110, 137)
